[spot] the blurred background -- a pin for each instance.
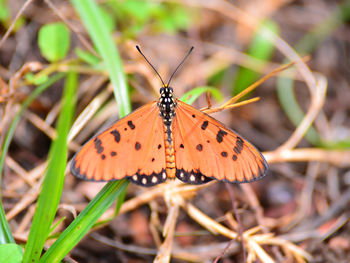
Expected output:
(304, 199)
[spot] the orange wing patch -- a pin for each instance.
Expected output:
(205, 149)
(133, 148)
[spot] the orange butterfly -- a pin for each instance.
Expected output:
(166, 139)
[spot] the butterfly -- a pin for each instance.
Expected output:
(168, 139)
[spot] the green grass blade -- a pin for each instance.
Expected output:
(54, 177)
(83, 223)
(120, 201)
(288, 101)
(97, 29)
(5, 232)
(94, 23)
(118, 204)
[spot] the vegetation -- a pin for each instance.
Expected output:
(70, 68)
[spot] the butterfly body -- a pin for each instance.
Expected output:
(166, 139)
(166, 105)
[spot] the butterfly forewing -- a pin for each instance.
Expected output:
(133, 147)
(205, 149)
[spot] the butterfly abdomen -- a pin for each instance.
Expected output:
(169, 152)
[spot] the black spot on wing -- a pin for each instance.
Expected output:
(239, 142)
(237, 150)
(204, 125)
(116, 135)
(76, 171)
(131, 125)
(182, 146)
(98, 145)
(220, 136)
(159, 146)
(224, 154)
(137, 146)
(239, 145)
(199, 147)
(113, 153)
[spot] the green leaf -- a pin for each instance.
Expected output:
(11, 253)
(4, 10)
(54, 177)
(54, 41)
(192, 95)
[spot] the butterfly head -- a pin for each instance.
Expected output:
(166, 91)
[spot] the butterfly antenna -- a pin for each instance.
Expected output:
(183, 60)
(139, 50)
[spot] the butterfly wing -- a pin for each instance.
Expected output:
(205, 149)
(133, 147)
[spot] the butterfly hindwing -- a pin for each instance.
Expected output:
(133, 147)
(205, 149)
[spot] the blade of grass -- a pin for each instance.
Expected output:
(5, 232)
(85, 220)
(288, 101)
(120, 201)
(89, 12)
(94, 23)
(118, 205)
(54, 177)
